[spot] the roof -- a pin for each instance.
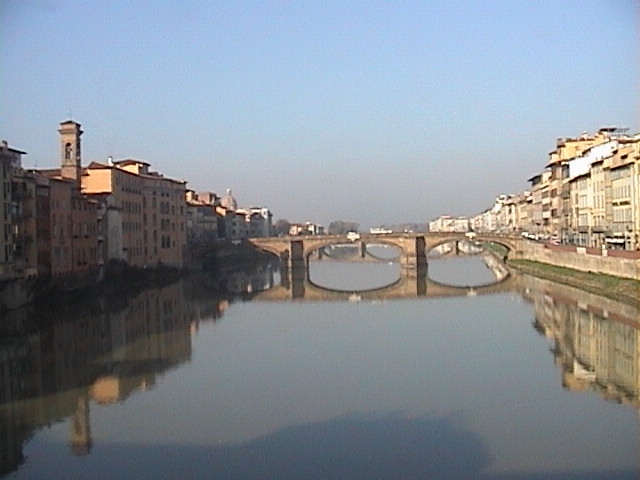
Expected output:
(95, 164)
(536, 176)
(130, 161)
(6, 147)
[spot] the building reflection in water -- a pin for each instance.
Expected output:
(596, 340)
(55, 363)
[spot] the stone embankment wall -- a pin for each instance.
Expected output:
(618, 263)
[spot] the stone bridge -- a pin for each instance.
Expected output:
(295, 250)
(296, 285)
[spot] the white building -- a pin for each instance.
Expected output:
(447, 223)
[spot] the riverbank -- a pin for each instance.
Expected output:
(617, 288)
(123, 280)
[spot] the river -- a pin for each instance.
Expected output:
(228, 378)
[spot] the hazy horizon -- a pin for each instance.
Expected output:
(372, 112)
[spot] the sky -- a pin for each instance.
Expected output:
(367, 111)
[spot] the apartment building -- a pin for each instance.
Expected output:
(447, 223)
(636, 188)
(232, 223)
(67, 232)
(307, 228)
(141, 215)
(43, 224)
(540, 207)
(18, 252)
(622, 173)
(202, 219)
(260, 222)
(8, 156)
(588, 195)
(144, 213)
(570, 155)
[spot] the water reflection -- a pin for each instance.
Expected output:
(56, 364)
(56, 360)
(74, 356)
(595, 340)
(324, 281)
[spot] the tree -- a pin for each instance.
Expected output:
(340, 227)
(281, 227)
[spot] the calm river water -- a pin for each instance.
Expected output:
(258, 376)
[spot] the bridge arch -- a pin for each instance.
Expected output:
(274, 249)
(386, 244)
(313, 245)
(511, 243)
(482, 286)
(366, 291)
(363, 247)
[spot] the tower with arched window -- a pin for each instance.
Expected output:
(70, 153)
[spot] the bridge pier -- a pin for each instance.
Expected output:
(414, 253)
(297, 258)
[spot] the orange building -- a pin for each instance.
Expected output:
(67, 232)
(145, 212)
(141, 215)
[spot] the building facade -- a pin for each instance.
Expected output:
(18, 252)
(588, 195)
(144, 213)
(202, 219)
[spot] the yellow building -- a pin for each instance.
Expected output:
(622, 173)
(560, 217)
(145, 212)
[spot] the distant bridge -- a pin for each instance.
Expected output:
(296, 250)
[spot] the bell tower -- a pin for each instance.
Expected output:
(70, 156)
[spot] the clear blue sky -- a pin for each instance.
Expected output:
(376, 112)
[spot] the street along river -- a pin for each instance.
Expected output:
(213, 378)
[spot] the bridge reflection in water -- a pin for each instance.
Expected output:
(296, 284)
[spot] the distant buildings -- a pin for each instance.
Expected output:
(307, 228)
(67, 225)
(446, 223)
(588, 195)
(202, 219)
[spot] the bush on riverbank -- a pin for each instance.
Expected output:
(238, 256)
